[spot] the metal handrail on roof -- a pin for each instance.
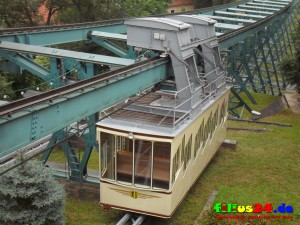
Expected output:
(209, 90)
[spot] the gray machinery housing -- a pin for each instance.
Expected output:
(192, 44)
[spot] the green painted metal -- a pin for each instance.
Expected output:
(224, 27)
(77, 166)
(270, 52)
(255, 57)
(61, 53)
(26, 63)
(234, 70)
(262, 51)
(245, 60)
(47, 118)
(56, 136)
(278, 50)
(255, 12)
(251, 29)
(90, 140)
(55, 36)
(234, 105)
(232, 20)
(117, 50)
(55, 80)
(257, 67)
(288, 35)
(268, 75)
(235, 66)
(77, 158)
(255, 7)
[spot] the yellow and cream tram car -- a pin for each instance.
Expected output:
(153, 150)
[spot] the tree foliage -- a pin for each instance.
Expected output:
(19, 12)
(6, 89)
(92, 10)
(290, 65)
(29, 195)
(22, 13)
(12, 85)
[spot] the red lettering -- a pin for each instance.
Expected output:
(257, 208)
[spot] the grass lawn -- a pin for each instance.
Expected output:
(263, 169)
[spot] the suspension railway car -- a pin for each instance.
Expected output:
(153, 150)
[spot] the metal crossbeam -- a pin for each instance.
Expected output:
(60, 53)
(272, 2)
(254, 7)
(264, 5)
(288, 1)
(227, 26)
(250, 11)
(108, 35)
(222, 18)
(239, 15)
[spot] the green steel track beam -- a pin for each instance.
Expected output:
(60, 35)
(61, 107)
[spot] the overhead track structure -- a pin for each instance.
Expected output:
(255, 51)
(32, 118)
(252, 51)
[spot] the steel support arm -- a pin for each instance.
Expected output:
(26, 63)
(111, 47)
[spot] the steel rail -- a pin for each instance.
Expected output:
(9, 108)
(20, 30)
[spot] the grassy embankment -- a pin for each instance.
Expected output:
(264, 168)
